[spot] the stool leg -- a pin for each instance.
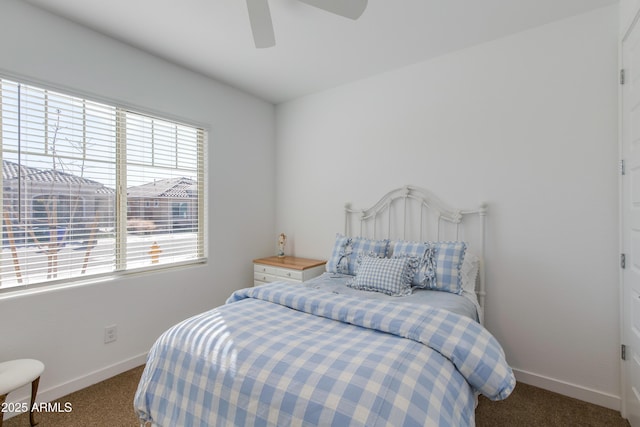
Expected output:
(2, 399)
(34, 391)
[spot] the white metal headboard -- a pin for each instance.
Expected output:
(413, 213)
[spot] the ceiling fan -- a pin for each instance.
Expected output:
(262, 27)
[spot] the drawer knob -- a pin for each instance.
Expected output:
(289, 274)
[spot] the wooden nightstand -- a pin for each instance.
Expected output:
(289, 268)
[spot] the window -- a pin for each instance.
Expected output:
(57, 209)
(90, 189)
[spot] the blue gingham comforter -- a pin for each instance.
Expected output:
(281, 354)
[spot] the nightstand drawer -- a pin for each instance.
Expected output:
(262, 277)
(265, 269)
(289, 274)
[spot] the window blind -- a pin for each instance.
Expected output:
(90, 189)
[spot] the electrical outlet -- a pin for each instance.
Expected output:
(110, 334)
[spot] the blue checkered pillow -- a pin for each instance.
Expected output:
(425, 274)
(448, 258)
(338, 262)
(344, 257)
(391, 276)
(361, 246)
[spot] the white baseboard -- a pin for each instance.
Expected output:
(572, 390)
(58, 391)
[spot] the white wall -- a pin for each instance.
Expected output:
(64, 328)
(628, 9)
(527, 123)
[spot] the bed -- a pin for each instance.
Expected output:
(390, 335)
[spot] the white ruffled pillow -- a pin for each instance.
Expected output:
(469, 271)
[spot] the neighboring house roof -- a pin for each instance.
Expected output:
(11, 170)
(170, 187)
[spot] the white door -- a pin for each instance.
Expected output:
(630, 205)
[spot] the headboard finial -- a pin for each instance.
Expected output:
(483, 209)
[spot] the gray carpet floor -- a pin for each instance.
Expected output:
(110, 404)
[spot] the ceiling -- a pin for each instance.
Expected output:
(315, 50)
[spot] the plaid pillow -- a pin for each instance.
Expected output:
(338, 262)
(448, 258)
(344, 258)
(391, 276)
(361, 246)
(425, 274)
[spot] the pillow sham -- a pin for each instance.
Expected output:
(391, 276)
(448, 258)
(425, 272)
(344, 257)
(337, 262)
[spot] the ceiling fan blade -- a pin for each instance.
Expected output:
(347, 8)
(261, 25)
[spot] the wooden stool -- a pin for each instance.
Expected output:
(16, 373)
